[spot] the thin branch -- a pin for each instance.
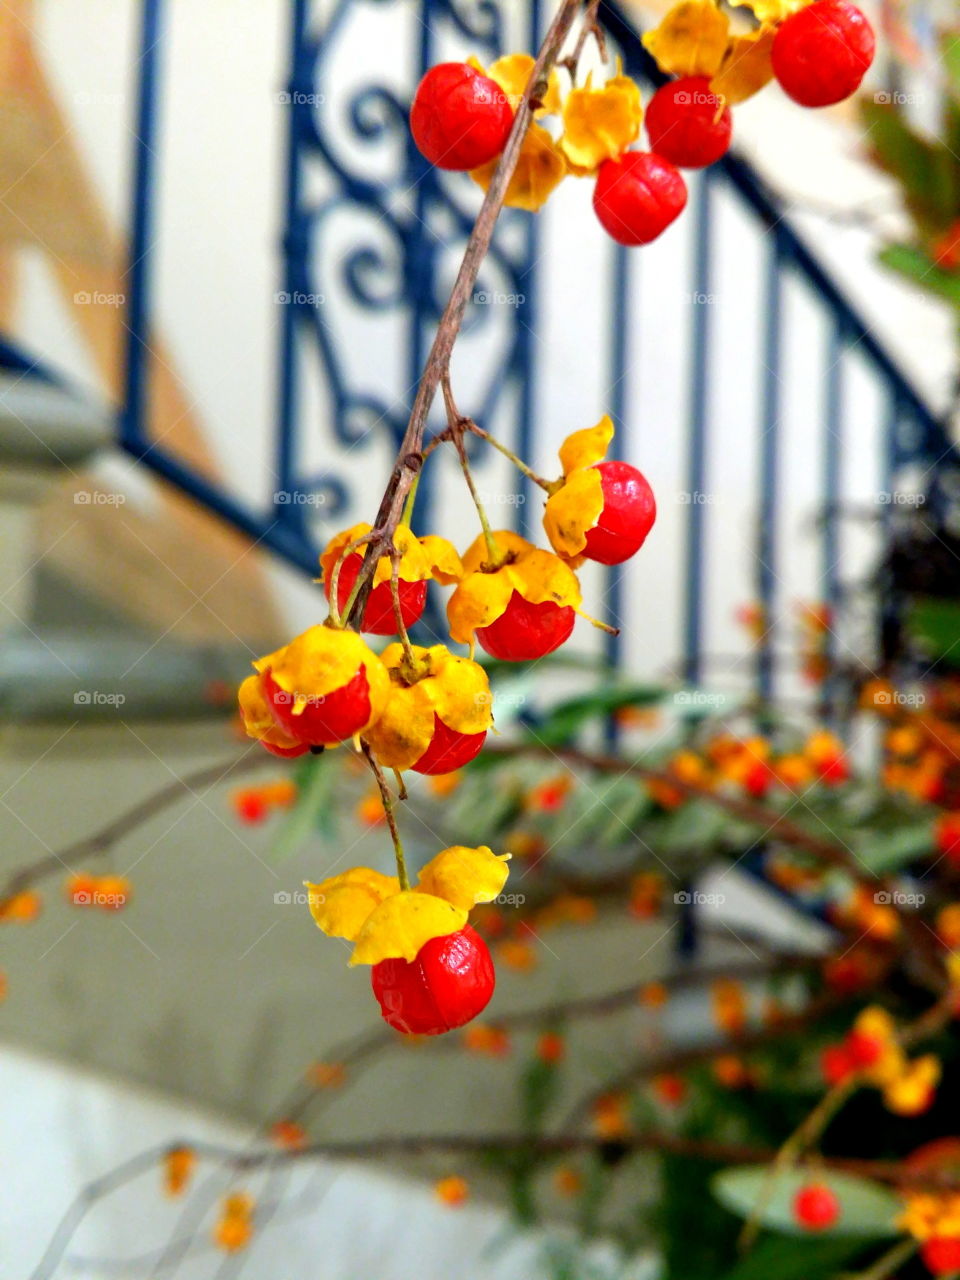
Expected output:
(103, 841)
(409, 456)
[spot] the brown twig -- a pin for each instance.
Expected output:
(103, 841)
(409, 456)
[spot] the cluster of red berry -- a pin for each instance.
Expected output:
(461, 118)
(429, 710)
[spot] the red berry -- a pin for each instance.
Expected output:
(863, 1050)
(687, 124)
(334, 717)
(448, 749)
(941, 1255)
(821, 53)
(251, 807)
(816, 1207)
(448, 984)
(460, 119)
(947, 836)
(837, 1064)
(525, 631)
(629, 510)
(638, 196)
(379, 618)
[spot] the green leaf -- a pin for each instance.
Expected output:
(866, 1208)
(566, 719)
(918, 267)
(925, 169)
(695, 827)
(889, 850)
(937, 622)
(314, 810)
(782, 1258)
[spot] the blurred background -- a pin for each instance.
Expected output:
(221, 261)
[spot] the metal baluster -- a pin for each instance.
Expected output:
(769, 464)
(832, 458)
(621, 261)
(697, 447)
(526, 333)
(133, 414)
(294, 255)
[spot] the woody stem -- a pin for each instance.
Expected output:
(388, 809)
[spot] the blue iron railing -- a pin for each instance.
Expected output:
(431, 216)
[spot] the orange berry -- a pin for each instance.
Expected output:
(731, 1072)
(249, 805)
(452, 1191)
(549, 796)
(178, 1166)
(517, 955)
(81, 888)
(113, 892)
(653, 995)
(670, 1089)
(282, 793)
(482, 1038)
(232, 1234)
(567, 1181)
(289, 1135)
(326, 1075)
(21, 908)
(370, 811)
(610, 1116)
(551, 1048)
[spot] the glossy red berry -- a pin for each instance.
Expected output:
(947, 836)
(941, 1255)
(460, 118)
(334, 717)
(526, 631)
(629, 510)
(638, 196)
(448, 749)
(379, 618)
(821, 53)
(687, 124)
(448, 984)
(837, 1064)
(816, 1207)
